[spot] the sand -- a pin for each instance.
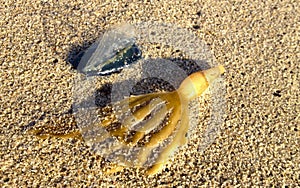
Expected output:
(258, 43)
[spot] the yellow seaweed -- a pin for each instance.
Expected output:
(171, 105)
(176, 104)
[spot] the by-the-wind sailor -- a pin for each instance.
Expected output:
(111, 53)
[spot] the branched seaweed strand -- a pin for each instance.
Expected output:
(178, 140)
(174, 103)
(151, 124)
(137, 115)
(141, 113)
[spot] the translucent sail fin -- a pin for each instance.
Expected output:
(112, 52)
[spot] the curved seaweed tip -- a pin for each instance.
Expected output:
(54, 126)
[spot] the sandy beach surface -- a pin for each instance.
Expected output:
(257, 42)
